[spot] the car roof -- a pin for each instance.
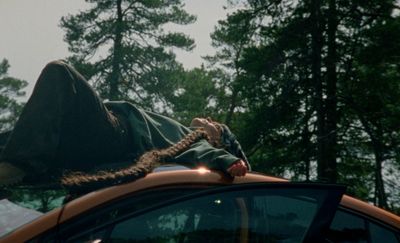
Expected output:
(358, 206)
(171, 178)
(160, 179)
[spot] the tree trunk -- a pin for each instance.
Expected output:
(232, 107)
(380, 195)
(330, 137)
(115, 76)
(316, 47)
(306, 155)
(376, 137)
(235, 89)
(306, 140)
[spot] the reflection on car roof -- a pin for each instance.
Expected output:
(171, 167)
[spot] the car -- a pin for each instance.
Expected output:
(183, 205)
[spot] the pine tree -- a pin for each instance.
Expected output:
(122, 45)
(319, 80)
(10, 91)
(195, 96)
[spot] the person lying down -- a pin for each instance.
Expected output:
(66, 131)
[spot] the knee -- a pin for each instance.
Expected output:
(55, 65)
(55, 72)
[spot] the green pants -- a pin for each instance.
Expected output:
(65, 126)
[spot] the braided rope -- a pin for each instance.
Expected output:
(145, 164)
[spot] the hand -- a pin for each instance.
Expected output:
(238, 168)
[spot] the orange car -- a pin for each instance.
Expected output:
(207, 206)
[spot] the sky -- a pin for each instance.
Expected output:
(31, 36)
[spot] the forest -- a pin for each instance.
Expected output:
(311, 88)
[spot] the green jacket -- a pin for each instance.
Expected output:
(149, 130)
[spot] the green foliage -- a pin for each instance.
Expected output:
(10, 91)
(297, 84)
(194, 96)
(268, 51)
(268, 78)
(374, 96)
(123, 48)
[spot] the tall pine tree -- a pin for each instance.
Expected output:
(309, 76)
(122, 45)
(10, 91)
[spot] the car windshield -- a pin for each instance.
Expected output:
(13, 216)
(22, 205)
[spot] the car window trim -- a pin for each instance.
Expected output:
(326, 212)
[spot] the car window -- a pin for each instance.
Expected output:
(256, 214)
(347, 227)
(380, 234)
(97, 217)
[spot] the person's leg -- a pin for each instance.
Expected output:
(91, 135)
(64, 125)
(36, 133)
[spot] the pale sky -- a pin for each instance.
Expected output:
(31, 36)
